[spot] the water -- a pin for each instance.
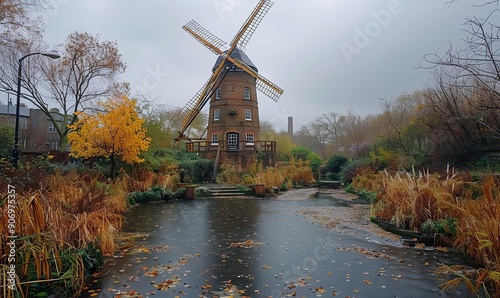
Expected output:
(185, 250)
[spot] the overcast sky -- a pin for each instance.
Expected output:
(328, 55)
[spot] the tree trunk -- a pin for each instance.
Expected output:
(113, 166)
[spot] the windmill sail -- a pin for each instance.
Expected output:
(238, 44)
(212, 42)
(241, 39)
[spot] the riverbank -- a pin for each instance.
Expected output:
(351, 215)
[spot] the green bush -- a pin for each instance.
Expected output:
(315, 161)
(246, 190)
(92, 257)
(155, 194)
(195, 168)
(333, 176)
(180, 193)
(335, 163)
(300, 152)
(443, 226)
(355, 168)
(202, 192)
(368, 196)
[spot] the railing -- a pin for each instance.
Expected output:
(206, 146)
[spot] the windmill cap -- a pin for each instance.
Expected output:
(236, 54)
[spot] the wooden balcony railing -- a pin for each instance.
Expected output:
(206, 146)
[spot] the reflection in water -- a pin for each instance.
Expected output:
(188, 253)
(232, 221)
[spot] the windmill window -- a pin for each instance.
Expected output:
(246, 93)
(248, 114)
(250, 139)
(218, 93)
(215, 139)
(216, 115)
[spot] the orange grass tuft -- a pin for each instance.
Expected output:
(69, 213)
(410, 199)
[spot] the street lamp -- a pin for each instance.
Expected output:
(15, 151)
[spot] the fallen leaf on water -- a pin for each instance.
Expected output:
(167, 284)
(320, 289)
(244, 244)
(207, 286)
(152, 273)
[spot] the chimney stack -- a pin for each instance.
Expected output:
(290, 128)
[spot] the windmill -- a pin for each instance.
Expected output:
(231, 89)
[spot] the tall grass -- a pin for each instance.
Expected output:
(288, 176)
(66, 214)
(410, 200)
(141, 180)
(281, 176)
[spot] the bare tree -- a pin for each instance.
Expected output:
(402, 129)
(163, 122)
(457, 125)
(356, 134)
(466, 99)
(482, 2)
(87, 70)
(14, 20)
(477, 65)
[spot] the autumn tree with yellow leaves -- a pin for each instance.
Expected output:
(116, 133)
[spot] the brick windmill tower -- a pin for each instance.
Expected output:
(233, 132)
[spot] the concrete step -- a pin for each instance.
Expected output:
(226, 191)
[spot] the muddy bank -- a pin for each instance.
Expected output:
(351, 215)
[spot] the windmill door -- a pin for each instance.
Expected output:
(232, 141)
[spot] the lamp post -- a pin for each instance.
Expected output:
(15, 151)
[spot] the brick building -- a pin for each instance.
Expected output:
(37, 134)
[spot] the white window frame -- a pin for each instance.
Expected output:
(215, 139)
(52, 127)
(248, 114)
(218, 93)
(216, 114)
(250, 139)
(247, 94)
(23, 123)
(54, 145)
(233, 141)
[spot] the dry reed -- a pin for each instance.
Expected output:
(67, 214)
(408, 200)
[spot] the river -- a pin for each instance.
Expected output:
(263, 248)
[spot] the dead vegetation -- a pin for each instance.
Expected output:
(467, 210)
